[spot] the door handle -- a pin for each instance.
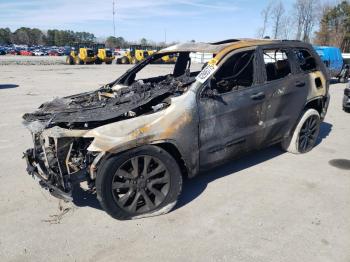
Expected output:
(258, 96)
(300, 84)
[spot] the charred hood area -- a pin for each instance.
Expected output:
(111, 103)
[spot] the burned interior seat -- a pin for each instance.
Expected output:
(282, 68)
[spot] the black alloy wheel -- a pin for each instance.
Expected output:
(141, 184)
(309, 133)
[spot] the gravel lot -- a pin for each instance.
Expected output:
(268, 206)
(32, 60)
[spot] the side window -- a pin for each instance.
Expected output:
(236, 73)
(306, 61)
(277, 64)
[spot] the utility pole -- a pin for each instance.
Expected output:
(114, 18)
(165, 35)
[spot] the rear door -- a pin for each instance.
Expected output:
(286, 92)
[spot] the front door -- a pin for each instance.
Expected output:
(230, 110)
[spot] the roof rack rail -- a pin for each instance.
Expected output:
(285, 40)
(225, 42)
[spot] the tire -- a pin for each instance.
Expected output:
(124, 60)
(69, 60)
(78, 61)
(343, 80)
(109, 63)
(139, 194)
(305, 135)
(98, 61)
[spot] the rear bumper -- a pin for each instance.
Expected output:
(325, 106)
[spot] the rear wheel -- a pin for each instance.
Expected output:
(124, 60)
(305, 134)
(98, 61)
(144, 181)
(343, 80)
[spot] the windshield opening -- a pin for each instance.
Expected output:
(175, 69)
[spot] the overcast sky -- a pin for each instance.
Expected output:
(183, 20)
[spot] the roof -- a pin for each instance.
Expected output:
(221, 48)
(215, 47)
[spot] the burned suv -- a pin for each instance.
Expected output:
(133, 140)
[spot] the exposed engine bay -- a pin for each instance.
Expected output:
(112, 103)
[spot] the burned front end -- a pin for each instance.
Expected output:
(60, 162)
(71, 135)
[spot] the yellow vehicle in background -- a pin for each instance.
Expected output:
(89, 54)
(103, 54)
(81, 54)
(168, 59)
(136, 54)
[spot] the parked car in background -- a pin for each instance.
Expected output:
(333, 59)
(26, 53)
(38, 52)
(135, 138)
(53, 53)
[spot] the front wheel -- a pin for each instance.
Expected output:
(78, 61)
(144, 181)
(305, 135)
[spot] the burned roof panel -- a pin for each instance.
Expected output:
(216, 47)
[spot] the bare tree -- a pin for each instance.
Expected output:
(265, 13)
(286, 27)
(307, 13)
(277, 16)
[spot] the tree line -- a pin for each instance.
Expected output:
(332, 22)
(120, 42)
(54, 37)
(35, 36)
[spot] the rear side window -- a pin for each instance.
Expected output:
(306, 61)
(277, 64)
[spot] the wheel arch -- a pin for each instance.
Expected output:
(316, 103)
(168, 145)
(320, 104)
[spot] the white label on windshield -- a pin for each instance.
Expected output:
(207, 72)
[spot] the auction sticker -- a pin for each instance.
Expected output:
(207, 72)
